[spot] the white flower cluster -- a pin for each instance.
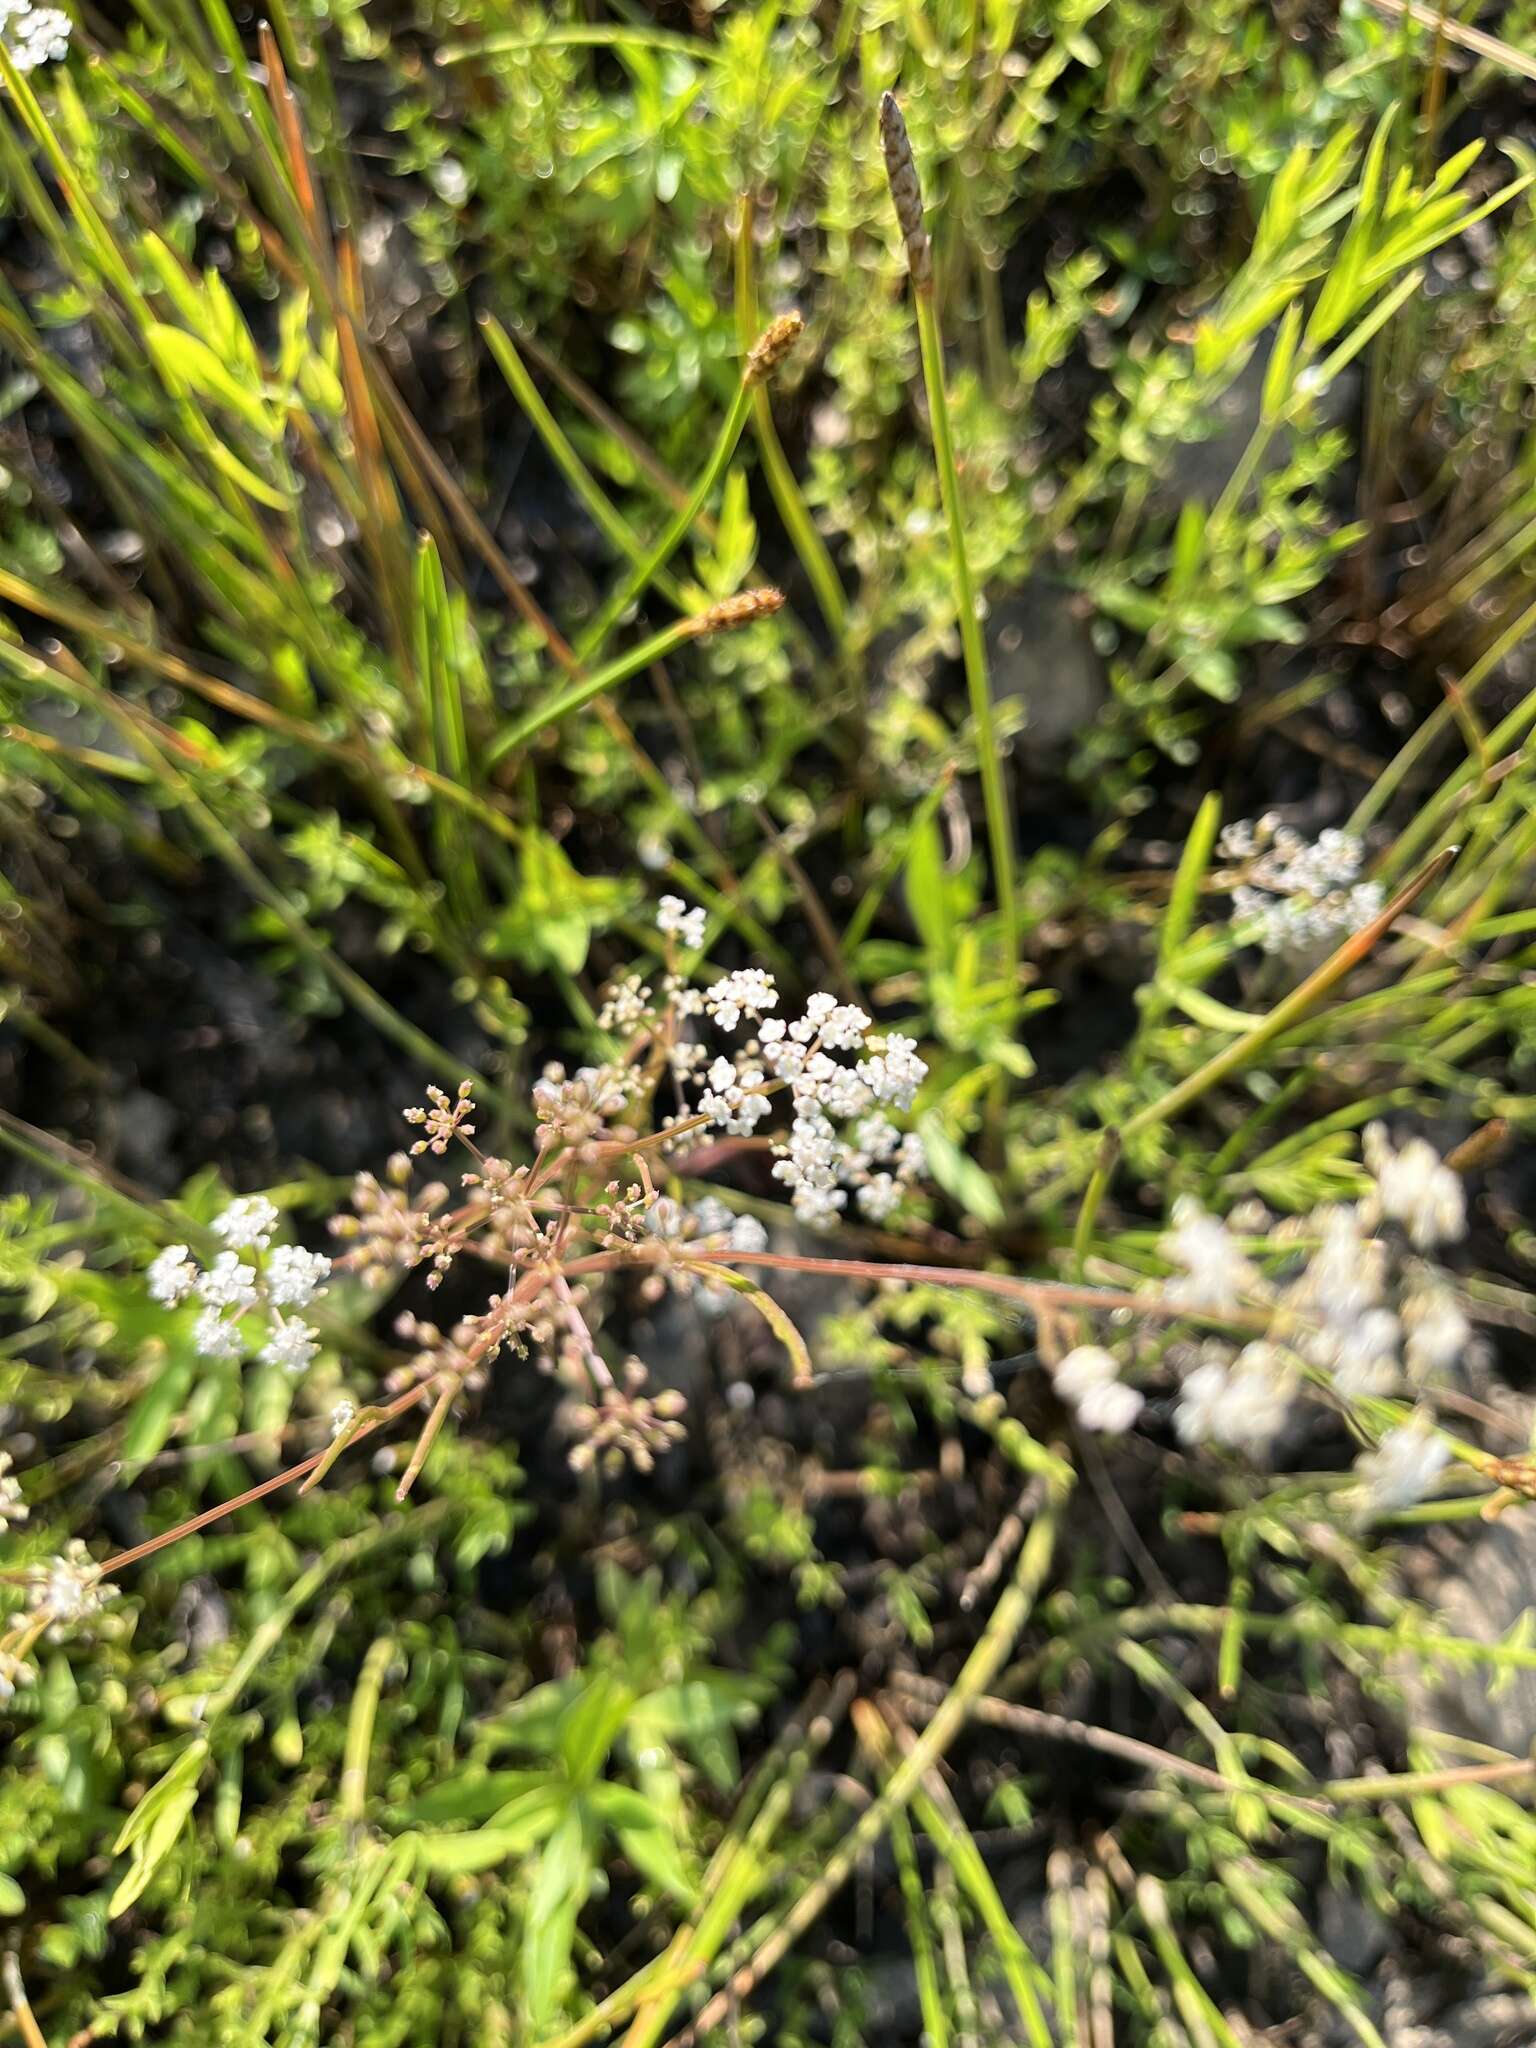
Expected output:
(1088, 1380)
(68, 1589)
(1403, 1467)
(674, 920)
(840, 1073)
(1415, 1187)
(34, 35)
(1357, 1308)
(717, 1227)
(1215, 1274)
(248, 1222)
(817, 1161)
(1241, 1402)
(12, 1507)
(286, 1277)
(707, 1225)
(1298, 892)
(14, 1671)
(628, 1005)
(749, 992)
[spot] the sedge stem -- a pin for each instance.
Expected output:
(972, 644)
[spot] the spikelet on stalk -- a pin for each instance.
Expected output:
(731, 612)
(906, 192)
(775, 342)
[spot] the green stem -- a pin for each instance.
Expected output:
(599, 507)
(919, 1934)
(676, 530)
(954, 1842)
(582, 692)
(365, 1707)
(973, 646)
(787, 496)
(893, 859)
(1098, 1187)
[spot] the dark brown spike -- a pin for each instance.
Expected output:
(906, 191)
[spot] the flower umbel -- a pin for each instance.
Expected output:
(34, 35)
(1404, 1466)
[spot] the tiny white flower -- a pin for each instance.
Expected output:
(710, 1217)
(1111, 1409)
(1199, 1403)
(343, 1413)
(839, 1091)
(736, 1098)
(1404, 1465)
(1364, 1359)
(818, 1207)
(664, 1218)
(1415, 1187)
(843, 1028)
(894, 1073)
(247, 1223)
(291, 1345)
(69, 1588)
(1298, 894)
(676, 920)
(216, 1338)
(748, 1234)
(227, 1283)
(810, 1154)
(1088, 1378)
(36, 35)
(627, 1005)
(1242, 1404)
(876, 1137)
(1217, 1275)
(748, 992)
(1438, 1332)
(1088, 1365)
(294, 1276)
(879, 1197)
(172, 1275)
(1344, 1276)
(12, 1507)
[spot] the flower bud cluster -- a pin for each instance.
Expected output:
(1297, 893)
(841, 1075)
(1355, 1307)
(1345, 1307)
(62, 1593)
(252, 1278)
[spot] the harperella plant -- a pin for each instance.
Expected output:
(415, 1767)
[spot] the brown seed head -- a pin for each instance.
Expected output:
(740, 610)
(772, 346)
(906, 192)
